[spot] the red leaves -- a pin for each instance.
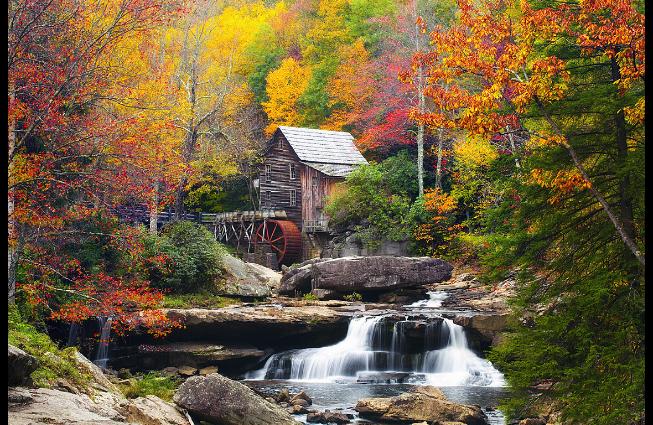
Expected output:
(71, 158)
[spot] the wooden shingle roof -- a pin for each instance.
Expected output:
(323, 146)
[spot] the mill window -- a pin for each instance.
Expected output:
(293, 172)
(293, 197)
(268, 173)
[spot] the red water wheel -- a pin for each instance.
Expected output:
(283, 237)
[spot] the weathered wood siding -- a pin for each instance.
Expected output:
(316, 186)
(279, 159)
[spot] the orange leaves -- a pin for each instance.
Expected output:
(562, 182)
(436, 201)
(351, 87)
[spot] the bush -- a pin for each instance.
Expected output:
(191, 257)
(354, 296)
(366, 203)
(310, 297)
(151, 383)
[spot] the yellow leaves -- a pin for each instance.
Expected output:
(284, 87)
(545, 140)
(562, 183)
(635, 114)
(475, 152)
(348, 93)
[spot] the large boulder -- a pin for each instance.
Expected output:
(246, 280)
(151, 410)
(20, 366)
(422, 404)
(217, 399)
(100, 380)
(365, 274)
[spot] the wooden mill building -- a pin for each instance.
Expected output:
(300, 169)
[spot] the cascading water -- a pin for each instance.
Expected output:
(455, 364)
(73, 334)
(102, 356)
(434, 301)
(444, 359)
(345, 358)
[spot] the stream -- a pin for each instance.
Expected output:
(385, 354)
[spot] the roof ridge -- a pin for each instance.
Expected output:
(315, 129)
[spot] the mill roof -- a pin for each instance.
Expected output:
(323, 147)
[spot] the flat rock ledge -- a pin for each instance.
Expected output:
(27, 406)
(327, 278)
(425, 403)
(217, 399)
(263, 324)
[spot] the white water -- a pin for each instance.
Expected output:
(365, 349)
(456, 364)
(327, 363)
(102, 356)
(434, 301)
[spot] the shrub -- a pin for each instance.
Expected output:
(310, 297)
(192, 257)
(366, 203)
(151, 383)
(354, 296)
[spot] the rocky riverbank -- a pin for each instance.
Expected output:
(235, 339)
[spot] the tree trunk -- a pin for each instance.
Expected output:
(438, 168)
(513, 147)
(617, 222)
(154, 209)
(187, 155)
(12, 251)
(625, 204)
(421, 109)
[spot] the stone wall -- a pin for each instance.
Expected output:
(350, 245)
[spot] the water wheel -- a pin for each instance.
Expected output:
(283, 237)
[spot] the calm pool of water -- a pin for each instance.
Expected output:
(344, 395)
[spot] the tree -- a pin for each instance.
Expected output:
(569, 213)
(209, 51)
(64, 151)
(513, 77)
(284, 87)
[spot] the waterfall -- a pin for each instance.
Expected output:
(434, 301)
(345, 358)
(73, 334)
(444, 359)
(455, 364)
(102, 356)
